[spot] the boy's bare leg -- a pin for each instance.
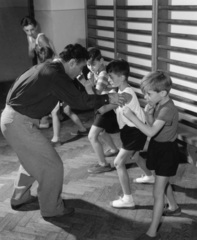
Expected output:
(158, 194)
(106, 137)
(127, 200)
(96, 144)
(56, 124)
(119, 163)
(172, 204)
(74, 118)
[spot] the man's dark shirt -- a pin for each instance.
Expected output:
(36, 92)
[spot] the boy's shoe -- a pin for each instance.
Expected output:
(144, 236)
(168, 212)
(100, 169)
(44, 125)
(56, 144)
(145, 179)
(120, 203)
(109, 153)
(80, 133)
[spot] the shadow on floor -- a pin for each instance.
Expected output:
(93, 222)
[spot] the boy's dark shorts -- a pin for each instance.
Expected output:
(163, 158)
(132, 138)
(107, 121)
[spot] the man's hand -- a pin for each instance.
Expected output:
(126, 96)
(119, 99)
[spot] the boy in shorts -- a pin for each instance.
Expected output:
(133, 140)
(163, 153)
(103, 124)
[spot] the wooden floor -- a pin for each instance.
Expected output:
(90, 195)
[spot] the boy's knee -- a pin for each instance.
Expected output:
(92, 137)
(67, 110)
(118, 164)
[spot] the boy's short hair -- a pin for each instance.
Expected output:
(94, 55)
(156, 81)
(76, 51)
(119, 67)
(28, 21)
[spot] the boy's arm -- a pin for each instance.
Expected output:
(101, 83)
(31, 47)
(149, 131)
(107, 108)
(43, 41)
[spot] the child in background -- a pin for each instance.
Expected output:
(103, 124)
(133, 140)
(163, 153)
(83, 131)
(36, 41)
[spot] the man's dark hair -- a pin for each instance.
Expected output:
(118, 67)
(76, 51)
(28, 21)
(94, 54)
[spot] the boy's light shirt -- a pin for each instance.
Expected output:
(134, 106)
(99, 80)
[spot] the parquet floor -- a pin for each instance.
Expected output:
(90, 195)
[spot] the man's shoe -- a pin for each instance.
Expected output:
(109, 153)
(120, 203)
(168, 212)
(100, 169)
(68, 212)
(144, 236)
(80, 133)
(145, 179)
(32, 199)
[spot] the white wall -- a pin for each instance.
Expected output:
(63, 21)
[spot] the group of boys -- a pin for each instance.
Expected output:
(158, 121)
(36, 92)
